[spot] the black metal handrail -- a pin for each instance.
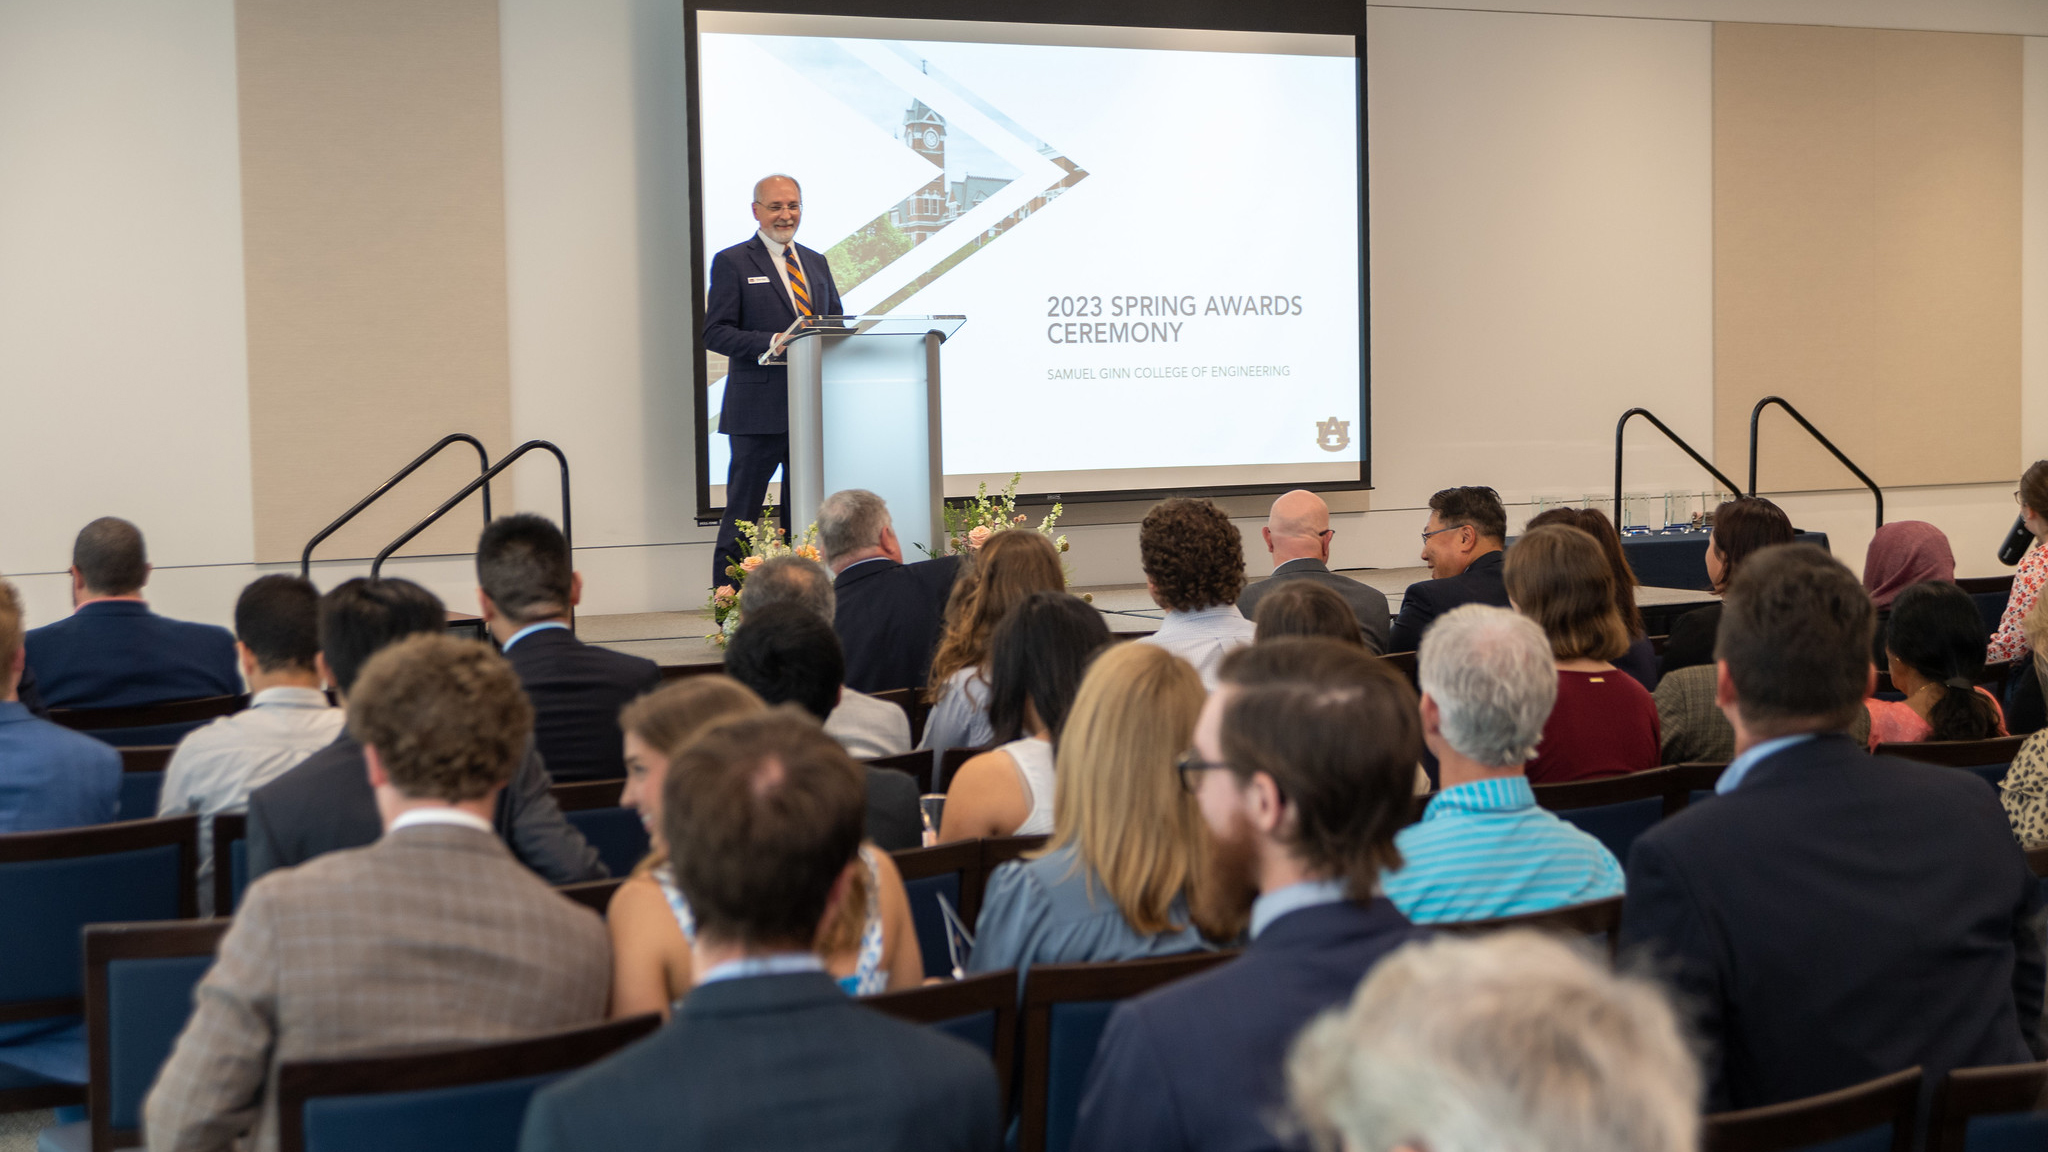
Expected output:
(1756, 414)
(483, 467)
(483, 481)
(1621, 425)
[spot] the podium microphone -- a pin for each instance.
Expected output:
(2016, 542)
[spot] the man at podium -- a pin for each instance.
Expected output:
(758, 289)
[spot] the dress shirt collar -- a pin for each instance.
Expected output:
(285, 696)
(529, 630)
(780, 964)
(1196, 617)
(1293, 898)
(775, 250)
(1738, 768)
(848, 570)
(419, 817)
(13, 711)
(1494, 794)
(1301, 564)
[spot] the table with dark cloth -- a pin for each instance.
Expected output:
(1679, 559)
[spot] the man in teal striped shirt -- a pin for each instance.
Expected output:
(1483, 848)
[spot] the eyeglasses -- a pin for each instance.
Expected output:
(1440, 531)
(1192, 763)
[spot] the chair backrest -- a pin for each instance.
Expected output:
(2002, 1109)
(1597, 920)
(1986, 758)
(1880, 1111)
(142, 780)
(946, 870)
(920, 765)
(1404, 663)
(2037, 859)
(982, 1010)
(617, 833)
(230, 861)
(52, 884)
(138, 994)
(471, 1098)
(595, 895)
(950, 760)
(1618, 809)
(1990, 593)
(1066, 1008)
(187, 712)
(584, 795)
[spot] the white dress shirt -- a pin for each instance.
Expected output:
(215, 767)
(1203, 637)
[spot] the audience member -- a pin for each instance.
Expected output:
(1125, 875)
(1934, 650)
(50, 777)
(1194, 568)
(1462, 543)
(1483, 848)
(113, 652)
(1037, 657)
(2024, 790)
(763, 822)
(327, 803)
(871, 944)
(1511, 1040)
(1302, 764)
(1604, 723)
(1831, 916)
(1298, 534)
(213, 770)
(2010, 641)
(866, 727)
(1741, 526)
(1640, 661)
(788, 655)
(1010, 566)
(1302, 608)
(432, 935)
(1692, 727)
(1901, 554)
(888, 612)
(527, 591)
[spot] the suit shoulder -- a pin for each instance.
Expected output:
(733, 253)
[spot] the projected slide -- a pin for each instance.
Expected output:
(1154, 235)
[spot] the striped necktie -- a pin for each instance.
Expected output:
(797, 287)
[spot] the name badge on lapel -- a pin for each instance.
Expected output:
(757, 279)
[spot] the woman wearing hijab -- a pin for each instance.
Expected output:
(1902, 554)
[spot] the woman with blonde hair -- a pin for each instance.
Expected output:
(1010, 566)
(1125, 874)
(1604, 722)
(871, 947)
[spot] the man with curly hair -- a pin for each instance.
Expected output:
(1194, 568)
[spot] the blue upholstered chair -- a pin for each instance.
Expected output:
(142, 780)
(949, 872)
(52, 884)
(138, 994)
(1875, 1116)
(982, 1010)
(1618, 809)
(617, 833)
(1066, 1008)
(1988, 759)
(1990, 1110)
(464, 1099)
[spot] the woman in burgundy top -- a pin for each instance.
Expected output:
(1605, 723)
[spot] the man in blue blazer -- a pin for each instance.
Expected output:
(763, 819)
(1303, 767)
(1831, 916)
(50, 777)
(887, 613)
(1463, 545)
(113, 652)
(758, 289)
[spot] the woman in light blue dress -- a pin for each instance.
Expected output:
(1008, 567)
(1124, 875)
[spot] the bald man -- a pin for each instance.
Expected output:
(1298, 533)
(758, 289)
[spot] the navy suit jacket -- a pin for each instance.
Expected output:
(1841, 916)
(118, 654)
(743, 311)
(775, 1062)
(325, 804)
(577, 690)
(888, 620)
(1198, 1064)
(1425, 600)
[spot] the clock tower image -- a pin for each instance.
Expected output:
(924, 211)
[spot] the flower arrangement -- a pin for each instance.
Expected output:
(970, 523)
(759, 541)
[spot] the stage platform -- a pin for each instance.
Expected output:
(677, 638)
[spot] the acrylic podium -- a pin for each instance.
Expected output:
(864, 413)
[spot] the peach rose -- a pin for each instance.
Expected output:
(750, 563)
(978, 536)
(726, 594)
(809, 552)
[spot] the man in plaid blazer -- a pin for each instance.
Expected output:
(431, 936)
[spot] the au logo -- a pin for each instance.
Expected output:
(1333, 435)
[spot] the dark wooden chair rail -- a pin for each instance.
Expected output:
(104, 944)
(1799, 1123)
(149, 715)
(1968, 1092)
(595, 895)
(584, 795)
(1593, 918)
(994, 992)
(229, 828)
(1957, 753)
(147, 757)
(918, 765)
(1674, 783)
(416, 1070)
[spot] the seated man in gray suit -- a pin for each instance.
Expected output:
(763, 821)
(433, 935)
(1298, 534)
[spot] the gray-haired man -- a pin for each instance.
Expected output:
(864, 726)
(1483, 848)
(888, 612)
